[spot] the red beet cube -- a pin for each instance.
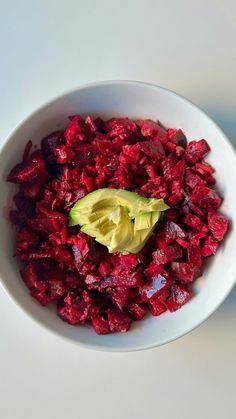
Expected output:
(128, 281)
(183, 243)
(156, 307)
(179, 170)
(49, 144)
(104, 268)
(28, 235)
(169, 231)
(73, 309)
(29, 171)
(118, 320)
(119, 296)
(194, 254)
(180, 295)
(185, 271)
(210, 246)
(152, 149)
(195, 222)
(163, 295)
(153, 270)
(196, 210)
(218, 224)
(192, 179)
(136, 311)
(149, 128)
(206, 198)
(178, 137)
(168, 254)
(196, 150)
(100, 325)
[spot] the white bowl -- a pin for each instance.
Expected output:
(136, 100)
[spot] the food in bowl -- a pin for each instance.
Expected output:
(115, 219)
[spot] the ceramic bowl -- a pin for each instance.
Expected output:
(136, 100)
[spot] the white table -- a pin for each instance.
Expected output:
(48, 47)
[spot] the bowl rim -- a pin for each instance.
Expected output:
(130, 348)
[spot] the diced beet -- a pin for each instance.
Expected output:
(180, 295)
(131, 260)
(173, 214)
(210, 246)
(27, 150)
(121, 127)
(64, 154)
(152, 270)
(153, 150)
(23, 204)
(156, 307)
(168, 165)
(55, 289)
(195, 222)
(192, 179)
(91, 124)
(179, 151)
(133, 280)
(119, 296)
(49, 144)
(194, 254)
(151, 170)
(178, 137)
(175, 199)
(136, 311)
(206, 198)
(73, 309)
(29, 235)
(100, 325)
(179, 170)
(168, 254)
(92, 279)
(196, 210)
(155, 286)
(31, 277)
(35, 284)
(169, 231)
(31, 191)
(183, 243)
(85, 152)
(196, 150)
(29, 171)
(163, 295)
(118, 320)
(131, 154)
(204, 168)
(149, 128)
(104, 268)
(185, 271)
(77, 131)
(18, 218)
(218, 224)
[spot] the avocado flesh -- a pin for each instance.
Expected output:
(142, 234)
(121, 220)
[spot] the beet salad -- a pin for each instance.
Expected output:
(114, 220)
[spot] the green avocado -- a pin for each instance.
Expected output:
(119, 219)
(144, 228)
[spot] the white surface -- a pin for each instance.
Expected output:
(136, 100)
(46, 48)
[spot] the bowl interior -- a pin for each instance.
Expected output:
(135, 100)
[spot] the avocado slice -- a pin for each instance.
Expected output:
(144, 229)
(119, 219)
